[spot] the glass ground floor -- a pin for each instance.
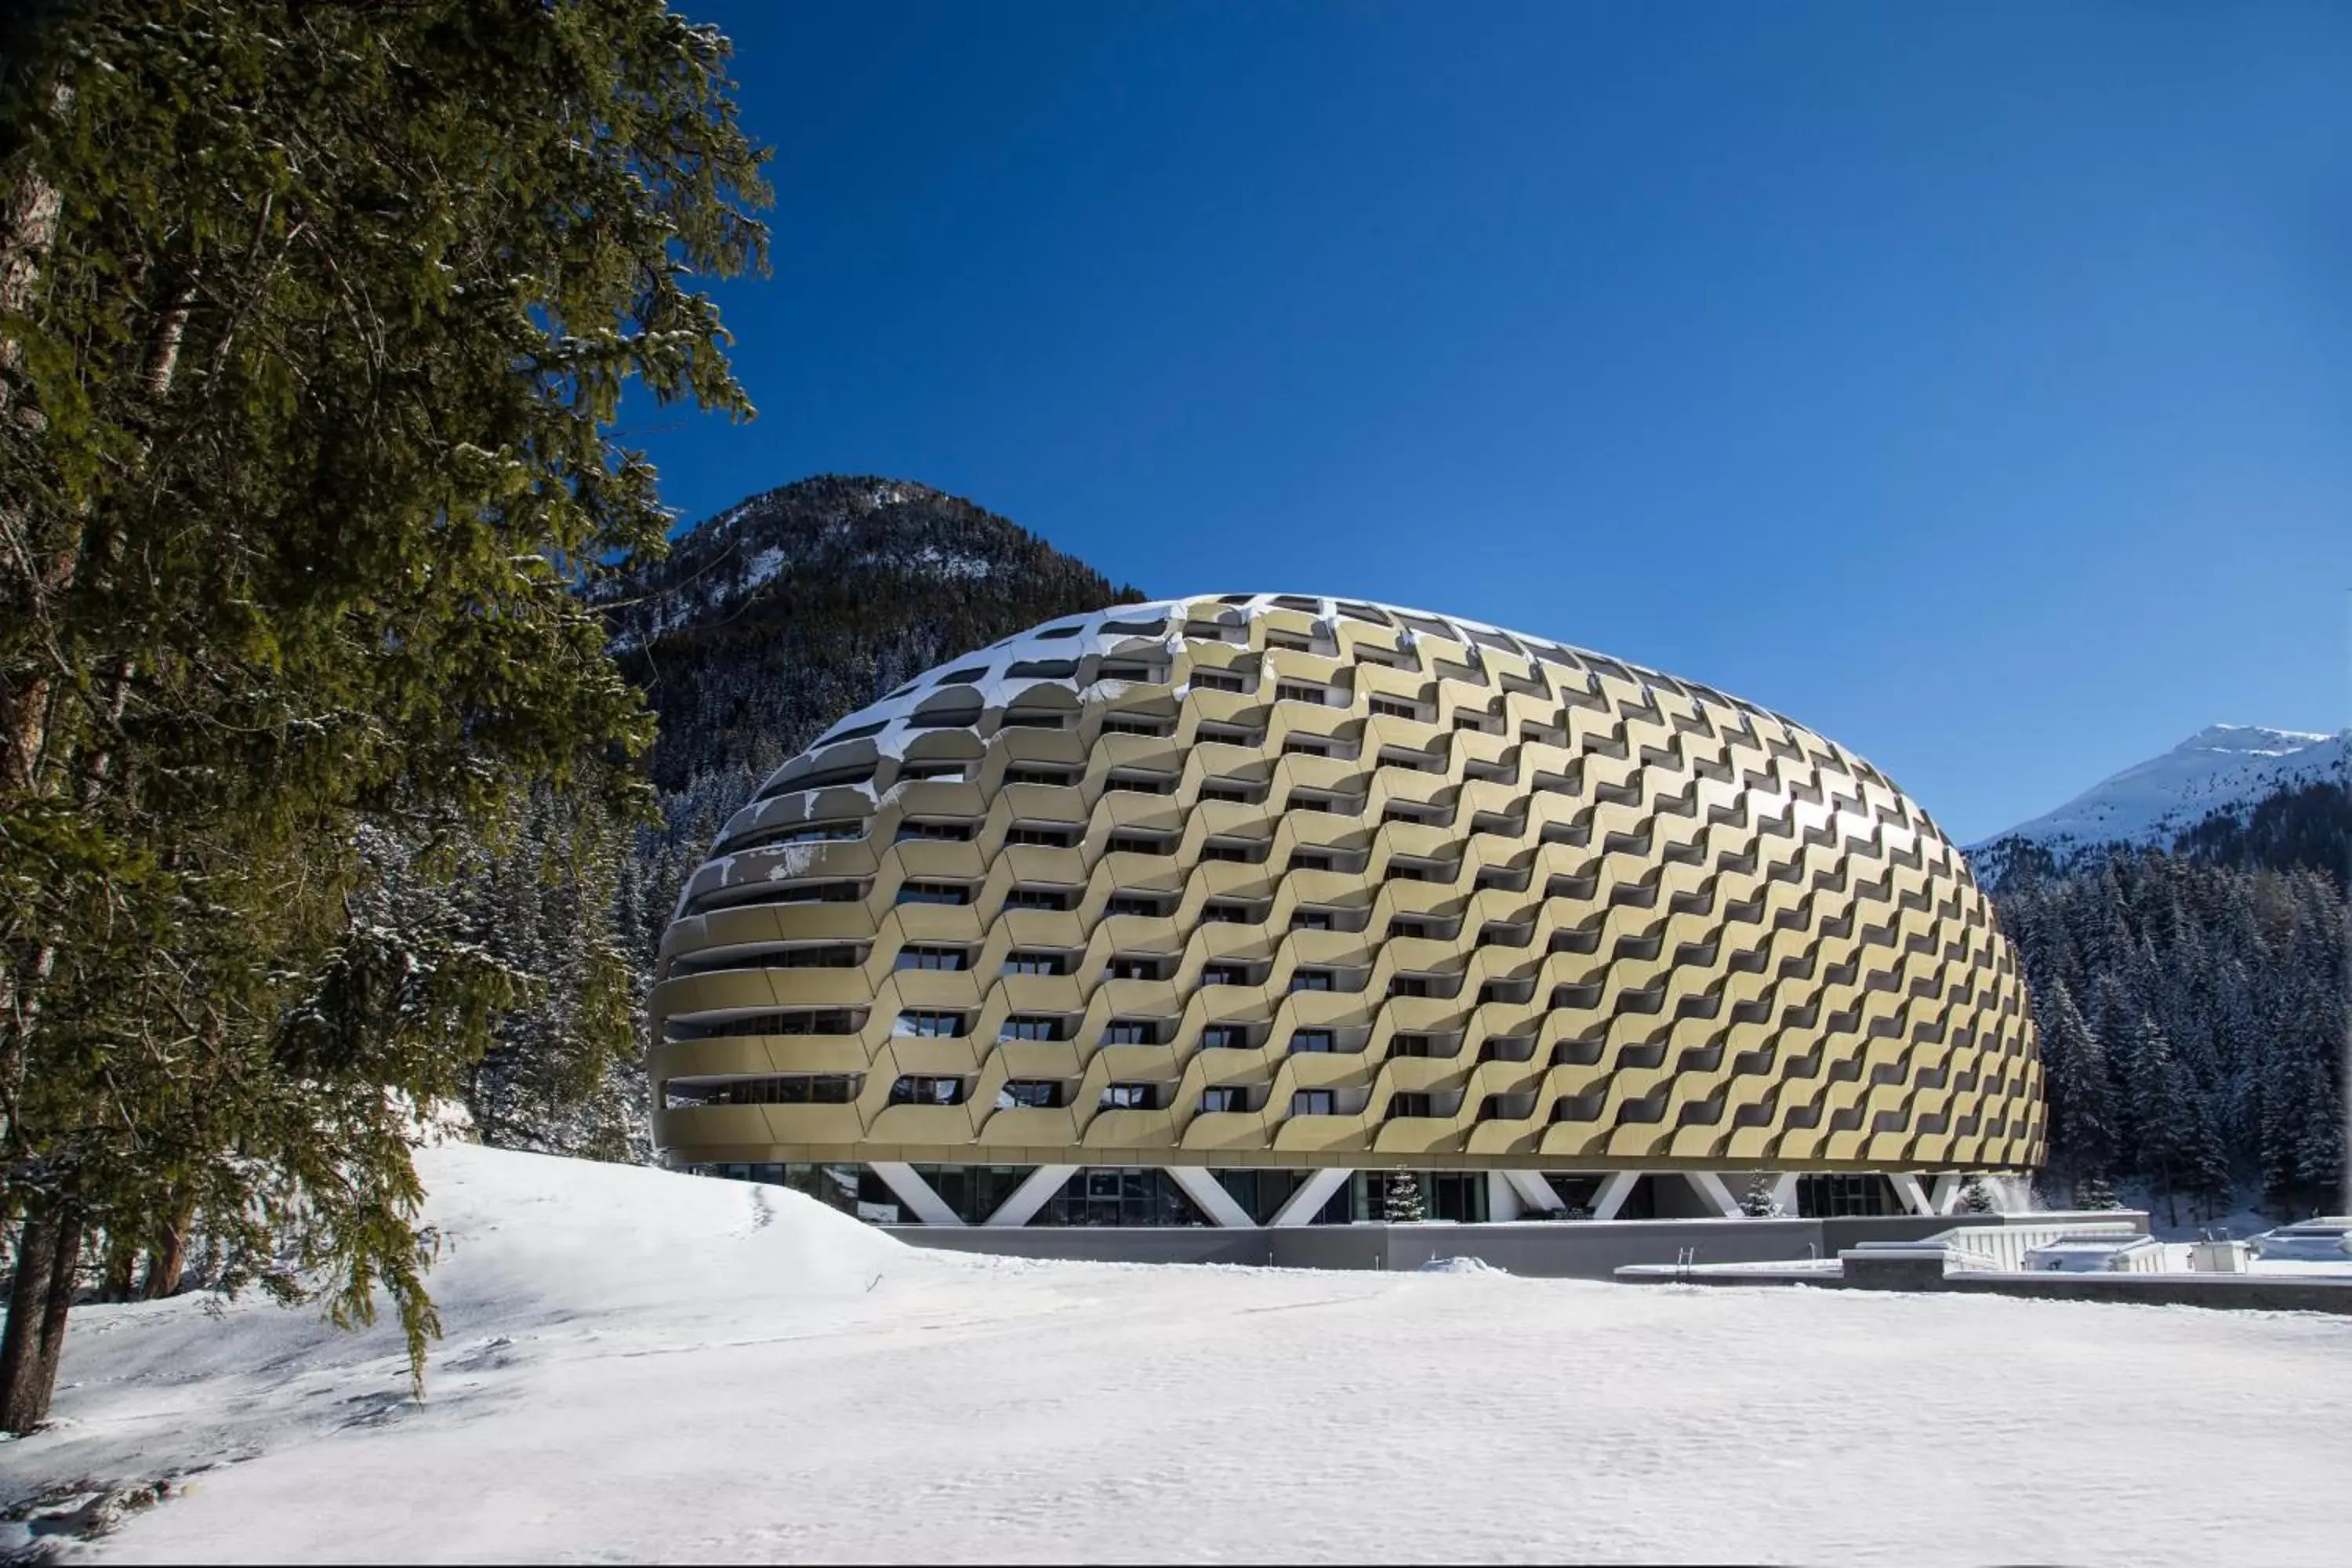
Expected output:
(1149, 1195)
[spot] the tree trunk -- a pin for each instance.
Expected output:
(29, 226)
(168, 1259)
(121, 1267)
(48, 1251)
(62, 1275)
(28, 1299)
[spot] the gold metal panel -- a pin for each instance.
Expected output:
(1717, 937)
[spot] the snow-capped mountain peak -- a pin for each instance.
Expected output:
(2222, 768)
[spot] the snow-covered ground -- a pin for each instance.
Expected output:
(642, 1366)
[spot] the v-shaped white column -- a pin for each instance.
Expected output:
(1534, 1192)
(915, 1193)
(1209, 1196)
(1914, 1195)
(1713, 1192)
(1032, 1194)
(1612, 1193)
(1308, 1200)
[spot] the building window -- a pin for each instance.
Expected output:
(1217, 680)
(1408, 1105)
(1029, 1093)
(1228, 913)
(1411, 986)
(828, 892)
(1128, 1032)
(1237, 794)
(1311, 980)
(934, 893)
(1309, 860)
(1224, 974)
(1224, 1037)
(1137, 904)
(833, 778)
(799, 1021)
(1048, 837)
(1226, 1099)
(1022, 1027)
(1143, 784)
(1402, 926)
(1313, 1040)
(1034, 776)
(1835, 1196)
(832, 832)
(1312, 919)
(1305, 749)
(1291, 691)
(1041, 898)
(1388, 708)
(1097, 1196)
(1122, 968)
(933, 958)
(918, 771)
(911, 1089)
(1314, 1102)
(955, 831)
(833, 956)
(787, 1089)
(1126, 1097)
(1036, 964)
(1135, 844)
(929, 1023)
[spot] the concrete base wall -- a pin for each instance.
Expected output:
(1569, 1249)
(1087, 1244)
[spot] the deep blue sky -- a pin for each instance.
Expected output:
(1972, 383)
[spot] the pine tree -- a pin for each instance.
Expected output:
(313, 323)
(2161, 1113)
(2075, 1079)
(1762, 1200)
(2240, 969)
(1401, 1205)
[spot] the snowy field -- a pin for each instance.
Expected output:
(642, 1366)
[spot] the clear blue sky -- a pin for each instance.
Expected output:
(1972, 383)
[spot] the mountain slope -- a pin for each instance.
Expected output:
(773, 619)
(2226, 770)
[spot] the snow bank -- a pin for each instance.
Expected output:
(647, 1367)
(1460, 1265)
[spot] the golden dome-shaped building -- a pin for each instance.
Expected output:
(1221, 910)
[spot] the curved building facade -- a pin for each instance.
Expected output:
(1223, 910)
